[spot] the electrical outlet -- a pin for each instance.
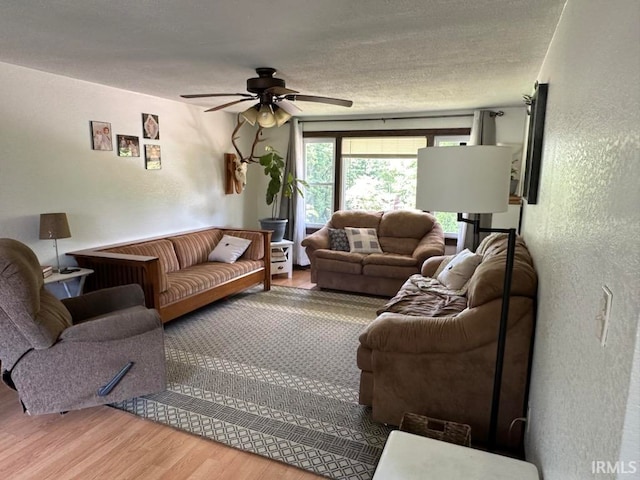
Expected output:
(603, 316)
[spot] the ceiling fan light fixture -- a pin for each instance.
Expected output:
(281, 115)
(251, 114)
(266, 117)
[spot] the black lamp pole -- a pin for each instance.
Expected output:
(504, 318)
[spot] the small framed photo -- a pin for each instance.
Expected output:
(128, 146)
(151, 126)
(152, 157)
(101, 138)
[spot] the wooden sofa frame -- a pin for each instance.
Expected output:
(112, 269)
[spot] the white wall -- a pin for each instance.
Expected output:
(47, 165)
(583, 234)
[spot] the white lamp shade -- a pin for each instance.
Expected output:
(465, 179)
(251, 114)
(281, 115)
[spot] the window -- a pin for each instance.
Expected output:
(370, 170)
(319, 174)
(379, 173)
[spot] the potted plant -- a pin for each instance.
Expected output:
(280, 185)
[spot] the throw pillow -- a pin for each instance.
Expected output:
(338, 240)
(363, 240)
(229, 249)
(459, 270)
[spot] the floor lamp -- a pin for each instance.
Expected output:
(472, 179)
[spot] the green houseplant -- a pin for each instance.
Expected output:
(280, 185)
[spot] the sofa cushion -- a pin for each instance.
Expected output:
(228, 249)
(193, 248)
(386, 271)
(459, 270)
(487, 282)
(391, 259)
(256, 249)
(339, 265)
(198, 278)
(338, 240)
(163, 249)
(399, 245)
(340, 256)
(406, 223)
(355, 218)
(363, 240)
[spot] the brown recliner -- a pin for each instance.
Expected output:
(98, 348)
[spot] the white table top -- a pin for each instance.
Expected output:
(282, 243)
(63, 277)
(412, 457)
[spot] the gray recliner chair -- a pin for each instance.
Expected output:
(99, 348)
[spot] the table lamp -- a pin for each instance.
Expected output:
(54, 226)
(472, 179)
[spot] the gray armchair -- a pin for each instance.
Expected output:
(99, 348)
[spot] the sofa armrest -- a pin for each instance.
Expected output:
(103, 301)
(430, 245)
(430, 265)
(115, 326)
(317, 240)
(471, 328)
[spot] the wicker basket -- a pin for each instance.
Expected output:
(452, 432)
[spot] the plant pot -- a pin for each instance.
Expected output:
(276, 225)
(513, 187)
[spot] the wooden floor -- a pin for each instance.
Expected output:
(299, 279)
(105, 443)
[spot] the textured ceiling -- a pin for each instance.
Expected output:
(388, 56)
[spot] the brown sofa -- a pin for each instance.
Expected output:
(434, 354)
(59, 355)
(407, 239)
(174, 272)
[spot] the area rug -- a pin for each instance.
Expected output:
(273, 373)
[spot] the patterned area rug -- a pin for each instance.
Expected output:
(273, 373)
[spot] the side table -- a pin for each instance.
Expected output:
(411, 457)
(65, 278)
(281, 260)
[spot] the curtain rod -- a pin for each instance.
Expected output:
(499, 113)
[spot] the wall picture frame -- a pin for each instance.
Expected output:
(152, 157)
(101, 138)
(128, 146)
(150, 126)
(534, 143)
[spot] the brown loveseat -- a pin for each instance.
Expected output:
(407, 238)
(174, 272)
(433, 353)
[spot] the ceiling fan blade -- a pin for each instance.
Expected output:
(220, 107)
(280, 90)
(313, 98)
(289, 107)
(201, 95)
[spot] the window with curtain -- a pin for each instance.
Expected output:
(353, 171)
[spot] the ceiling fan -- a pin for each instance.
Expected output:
(274, 105)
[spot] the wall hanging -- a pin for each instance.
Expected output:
(537, 106)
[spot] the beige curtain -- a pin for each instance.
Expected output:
(293, 208)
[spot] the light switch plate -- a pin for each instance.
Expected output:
(604, 315)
